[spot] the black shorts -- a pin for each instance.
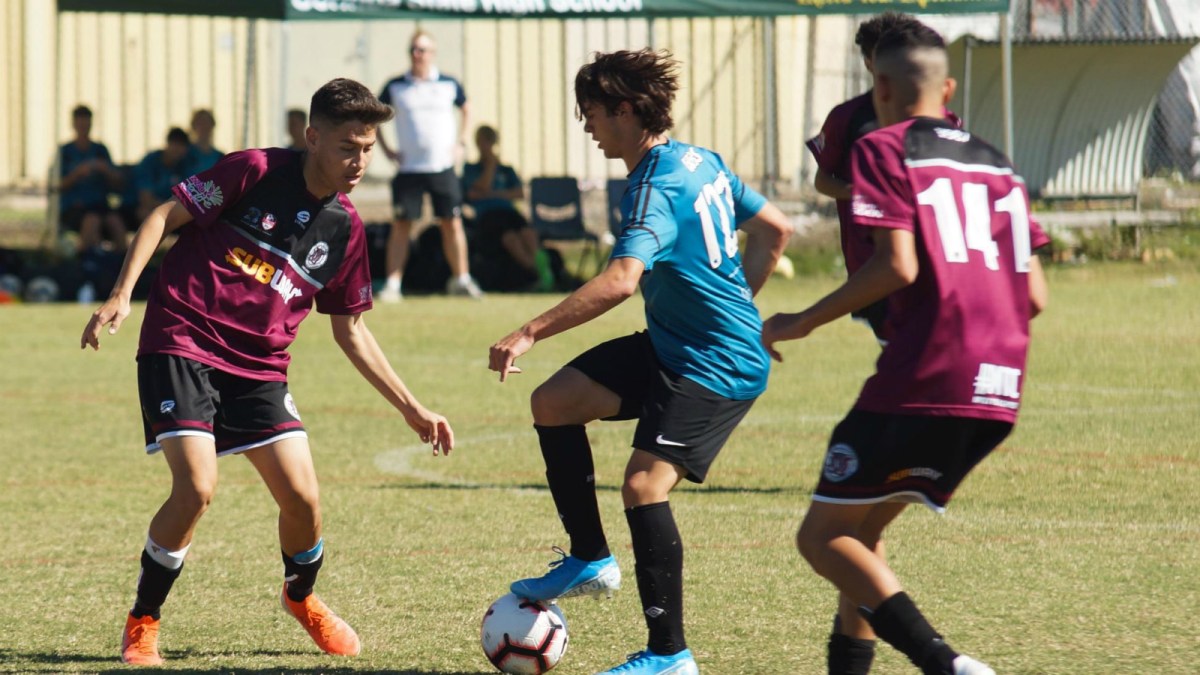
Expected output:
(921, 459)
(408, 190)
(874, 315)
(182, 397)
(679, 420)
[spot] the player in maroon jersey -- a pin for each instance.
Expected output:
(846, 123)
(953, 256)
(264, 236)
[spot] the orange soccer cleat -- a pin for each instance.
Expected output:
(139, 642)
(328, 630)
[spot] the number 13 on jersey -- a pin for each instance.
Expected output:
(718, 196)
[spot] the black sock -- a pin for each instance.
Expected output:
(153, 586)
(898, 622)
(571, 476)
(850, 656)
(658, 562)
(300, 577)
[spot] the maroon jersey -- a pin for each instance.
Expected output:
(244, 273)
(960, 332)
(845, 124)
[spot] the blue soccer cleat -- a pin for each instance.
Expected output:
(648, 663)
(570, 577)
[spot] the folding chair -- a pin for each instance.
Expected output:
(556, 214)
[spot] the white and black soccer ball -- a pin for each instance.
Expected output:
(41, 289)
(523, 637)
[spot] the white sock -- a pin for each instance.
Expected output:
(464, 279)
(393, 284)
(171, 560)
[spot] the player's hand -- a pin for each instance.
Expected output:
(503, 354)
(433, 429)
(783, 327)
(112, 313)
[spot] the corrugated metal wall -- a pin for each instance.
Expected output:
(144, 73)
(1081, 110)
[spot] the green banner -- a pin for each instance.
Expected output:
(307, 10)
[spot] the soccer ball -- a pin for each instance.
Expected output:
(523, 637)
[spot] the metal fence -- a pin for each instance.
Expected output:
(1173, 145)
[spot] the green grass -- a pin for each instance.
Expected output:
(1073, 549)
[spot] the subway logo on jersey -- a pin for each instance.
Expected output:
(264, 273)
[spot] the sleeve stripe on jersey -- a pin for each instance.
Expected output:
(285, 255)
(966, 168)
(639, 211)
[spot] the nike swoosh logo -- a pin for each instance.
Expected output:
(662, 441)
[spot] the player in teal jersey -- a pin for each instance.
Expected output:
(688, 380)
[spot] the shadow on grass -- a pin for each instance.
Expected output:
(683, 487)
(56, 662)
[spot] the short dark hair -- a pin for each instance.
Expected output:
(81, 111)
(345, 100)
(645, 78)
(204, 112)
(178, 135)
(298, 113)
(488, 132)
(872, 29)
(914, 35)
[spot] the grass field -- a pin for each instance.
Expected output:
(1074, 549)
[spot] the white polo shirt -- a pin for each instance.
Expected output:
(426, 127)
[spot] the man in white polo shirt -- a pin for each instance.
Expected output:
(428, 145)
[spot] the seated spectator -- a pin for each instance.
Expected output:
(87, 176)
(202, 155)
(159, 171)
(508, 249)
(297, 122)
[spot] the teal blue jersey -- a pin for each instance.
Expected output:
(679, 216)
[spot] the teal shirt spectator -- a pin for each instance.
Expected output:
(679, 216)
(151, 174)
(198, 160)
(505, 179)
(89, 192)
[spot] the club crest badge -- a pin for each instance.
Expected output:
(290, 404)
(268, 222)
(840, 463)
(317, 255)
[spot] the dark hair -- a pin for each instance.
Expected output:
(872, 29)
(646, 79)
(81, 111)
(915, 35)
(344, 100)
(177, 135)
(297, 113)
(204, 112)
(488, 132)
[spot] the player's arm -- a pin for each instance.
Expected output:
(892, 267)
(351, 334)
(606, 290)
(163, 220)
(1039, 291)
(832, 186)
(767, 235)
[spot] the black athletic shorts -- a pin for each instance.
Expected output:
(921, 459)
(182, 397)
(874, 315)
(679, 420)
(408, 190)
(72, 217)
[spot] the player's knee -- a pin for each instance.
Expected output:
(547, 405)
(639, 490)
(195, 497)
(301, 505)
(811, 542)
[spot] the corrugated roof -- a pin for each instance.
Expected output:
(1081, 108)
